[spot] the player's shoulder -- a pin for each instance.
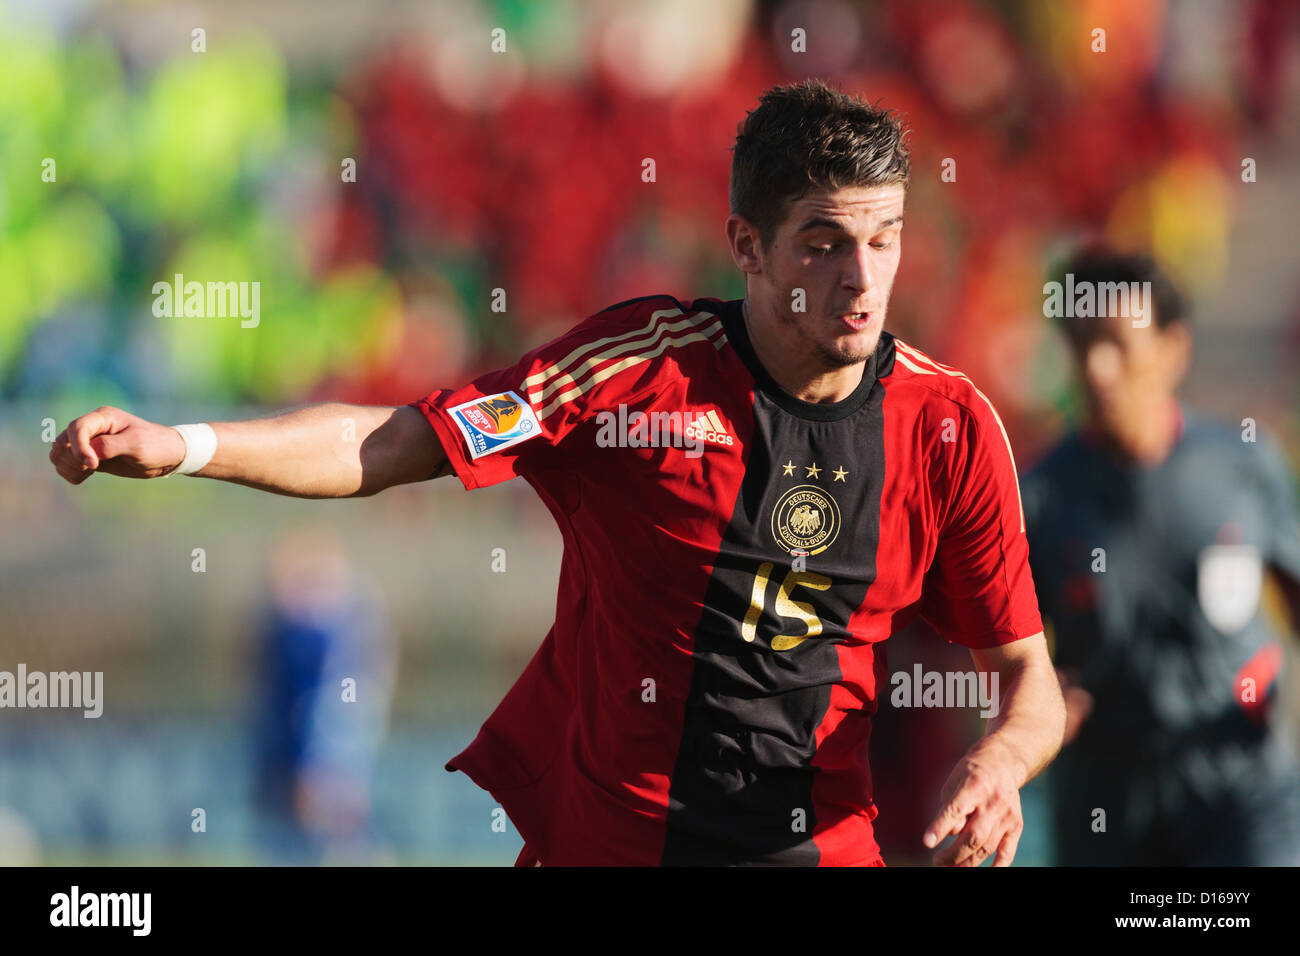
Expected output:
(1219, 435)
(910, 373)
(652, 313)
(637, 306)
(1065, 471)
(648, 327)
(1248, 444)
(1065, 461)
(629, 348)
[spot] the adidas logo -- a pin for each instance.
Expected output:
(708, 427)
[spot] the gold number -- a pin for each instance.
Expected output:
(785, 607)
(799, 610)
(750, 628)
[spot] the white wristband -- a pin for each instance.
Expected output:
(200, 445)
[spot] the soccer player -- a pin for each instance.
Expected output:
(753, 496)
(1150, 532)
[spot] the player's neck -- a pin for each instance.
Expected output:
(786, 359)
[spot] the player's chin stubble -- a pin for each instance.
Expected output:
(836, 353)
(844, 356)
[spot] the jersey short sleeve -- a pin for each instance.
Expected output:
(979, 591)
(507, 422)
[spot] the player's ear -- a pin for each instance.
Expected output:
(743, 241)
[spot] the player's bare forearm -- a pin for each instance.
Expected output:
(321, 451)
(980, 802)
(327, 451)
(1029, 728)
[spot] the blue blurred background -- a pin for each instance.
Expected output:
(519, 170)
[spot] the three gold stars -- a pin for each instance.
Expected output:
(814, 471)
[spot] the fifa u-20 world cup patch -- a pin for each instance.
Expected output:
(495, 422)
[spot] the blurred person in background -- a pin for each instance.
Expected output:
(1151, 530)
(327, 663)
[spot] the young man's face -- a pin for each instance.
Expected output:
(1127, 370)
(841, 249)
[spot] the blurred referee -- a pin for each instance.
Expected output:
(1151, 531)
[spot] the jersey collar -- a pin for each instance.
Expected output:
(733, 320)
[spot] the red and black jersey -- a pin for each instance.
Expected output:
(734, 558)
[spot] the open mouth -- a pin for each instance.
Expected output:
(857, 320)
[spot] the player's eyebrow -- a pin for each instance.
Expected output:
(821, 222)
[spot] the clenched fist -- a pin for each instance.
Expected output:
(117, 442)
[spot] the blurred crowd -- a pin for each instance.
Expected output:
(521, 169)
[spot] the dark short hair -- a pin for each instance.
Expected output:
(1098, 264)
(807, 137)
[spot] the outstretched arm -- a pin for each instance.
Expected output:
(981, 800)
(321, 451)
